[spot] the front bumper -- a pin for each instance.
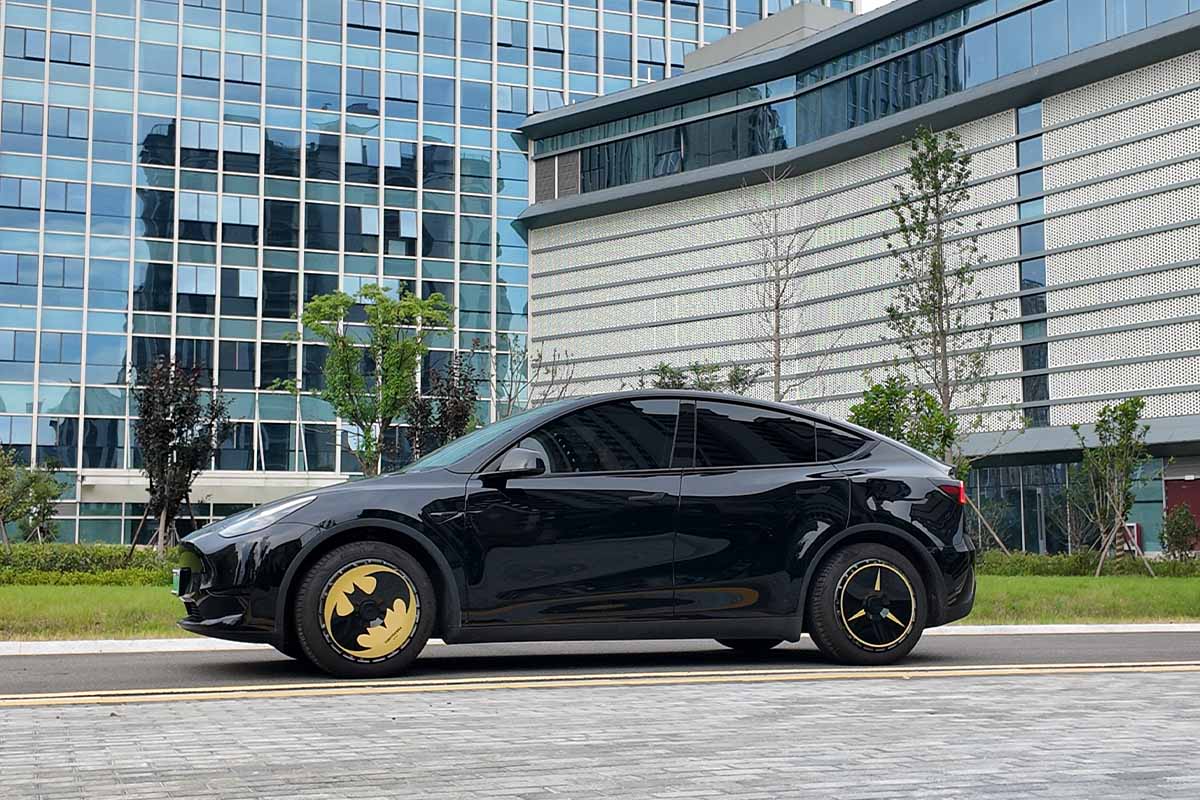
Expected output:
(231, 588)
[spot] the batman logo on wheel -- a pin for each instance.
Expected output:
(370, 611)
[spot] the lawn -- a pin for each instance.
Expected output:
(127, 612)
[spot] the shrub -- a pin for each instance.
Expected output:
(1181, 534)
(10, 576)
(86, 558)
(1083, 563)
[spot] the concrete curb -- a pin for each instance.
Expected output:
(199, 645)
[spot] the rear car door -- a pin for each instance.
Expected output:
(753, 492)
(591, 540)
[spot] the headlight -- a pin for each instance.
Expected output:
(261, 518)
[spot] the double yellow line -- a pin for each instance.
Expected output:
(568, 680)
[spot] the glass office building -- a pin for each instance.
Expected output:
(178, 176)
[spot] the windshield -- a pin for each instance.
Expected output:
(447, 454)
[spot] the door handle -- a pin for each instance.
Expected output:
(646, 499)
(822, 488)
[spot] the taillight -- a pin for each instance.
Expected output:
(955, 489)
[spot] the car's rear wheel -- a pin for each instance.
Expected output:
(365, 610)
(750, 646)
(867, 605)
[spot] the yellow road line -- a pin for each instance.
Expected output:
(330, 689)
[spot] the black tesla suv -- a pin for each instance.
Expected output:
(652, 514)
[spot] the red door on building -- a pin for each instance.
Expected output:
(1184, 492)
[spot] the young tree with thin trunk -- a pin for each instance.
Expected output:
(781, 252)
(27, 497)
(374, 343)
(180, 423)
(446, 409)
(936, 250)
(527, 379)
(1106, 471)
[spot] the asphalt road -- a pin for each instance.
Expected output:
(93, 673)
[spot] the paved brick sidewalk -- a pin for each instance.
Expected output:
(1092, 736)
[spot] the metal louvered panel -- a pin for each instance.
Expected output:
(568, 174)
(1131, 86)
(543, 179)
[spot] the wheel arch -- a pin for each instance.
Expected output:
(888, 536)
(380, 530)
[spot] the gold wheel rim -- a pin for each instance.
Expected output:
(369, 611)
(876, 605)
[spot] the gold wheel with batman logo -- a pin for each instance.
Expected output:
(365, 610)
(369, 610)
(867, 605)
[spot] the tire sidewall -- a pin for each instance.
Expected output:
(828, 630)
(309, 627)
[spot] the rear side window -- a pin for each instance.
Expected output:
(620, 436)
(833, 443)
(730, 435)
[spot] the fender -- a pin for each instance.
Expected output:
(928, 566)
(451, 611)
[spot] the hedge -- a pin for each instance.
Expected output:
(109, 577)
(83, 558)
(993, 562)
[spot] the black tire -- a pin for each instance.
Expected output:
(750, 646)
(365, 590)
(867, 606)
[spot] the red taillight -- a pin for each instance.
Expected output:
(955, 489)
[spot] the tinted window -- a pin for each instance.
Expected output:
(729, 435)
(833, 443)
(626, 435)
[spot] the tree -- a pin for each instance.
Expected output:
(42, 491)
(699, 375)
(527, 380)
(908, 414)
(446, 410)
(781, 250)
(27, 497)
(1181, 533)
(1106, 472)
(179, 425)
(933, 315)
(374, 347)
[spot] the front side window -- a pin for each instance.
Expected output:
(621, 436)
(731, 435)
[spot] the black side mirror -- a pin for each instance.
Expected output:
(516, 463)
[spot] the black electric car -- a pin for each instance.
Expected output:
(655, 514)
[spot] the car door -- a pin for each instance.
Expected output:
(592, 538)
(752, 493)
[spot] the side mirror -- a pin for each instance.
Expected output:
(516, 463)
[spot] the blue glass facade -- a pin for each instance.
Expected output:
(177, 177)
(956, 51)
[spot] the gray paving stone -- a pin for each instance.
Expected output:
(1096, 736)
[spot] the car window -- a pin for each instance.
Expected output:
(834, 443)
(463, 446)
(730, 435)
(623, 435)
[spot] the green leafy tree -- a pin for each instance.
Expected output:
(1181, 533)
(43, 491)
(179, 424)
(27, 497)
(374, 347)
(908, 414)
(936, 317)
(1114, 454)
(699, 375)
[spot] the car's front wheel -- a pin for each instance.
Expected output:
(867, 605)
(365, 610)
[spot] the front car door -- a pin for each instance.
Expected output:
(590, 540)
(753, 494)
